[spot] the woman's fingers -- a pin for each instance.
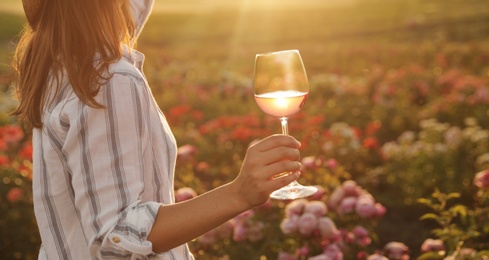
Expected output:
(280, 182)
(265, 160)
(282, 153)
(274, 155)
(280, 168)
(275, 148)
(277, 183)
(274, 141)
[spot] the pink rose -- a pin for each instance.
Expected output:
(351, 188)
(364, 241)
(255, 232)
(347, 205)
(245, 216)
(309, 163)
(481, 179)
(366, 196)
(11, 134)
(362, 236)
(185, 193)
(26, 151)
(336, 197)
(365, 206)
(4, 160)
(332, 164)
(185, 152)
(432, 245)
(14, 194)
(379, 210)
(3, 144)
(208, 238)
(296, 207)
(327, 228)
(316, 207)
(333, 252)
(396, 251)
(303, 251)
(360, 231)
(361, 254)
(286, 256)
(239, 233)
(308, 222)
(348, 237)
(319, 257)
(226, 229)
(290, 225)
(319, 193)
(377, 257)
(202, 167)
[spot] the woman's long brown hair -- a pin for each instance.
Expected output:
(77, 39)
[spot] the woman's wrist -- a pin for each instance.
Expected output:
(238, 200)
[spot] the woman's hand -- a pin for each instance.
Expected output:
(265, 159)
(178, 223)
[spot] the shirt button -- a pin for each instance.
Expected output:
(116, 240)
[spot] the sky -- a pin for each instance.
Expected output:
(205, 5)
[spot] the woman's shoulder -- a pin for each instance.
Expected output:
(126, 69)
(123, 66)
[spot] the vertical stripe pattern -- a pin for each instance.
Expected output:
(103, 173)
(100, 175)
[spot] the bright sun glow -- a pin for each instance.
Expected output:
(281, 102)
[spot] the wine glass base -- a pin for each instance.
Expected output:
(291, 192)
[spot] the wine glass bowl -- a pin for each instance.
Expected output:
(281, 88)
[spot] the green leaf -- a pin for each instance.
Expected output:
(425, 202)
(431, 256)
(459, 210)
(474, 233)
(438, 232)
(429, 216)
(453, 195)
(437, 194)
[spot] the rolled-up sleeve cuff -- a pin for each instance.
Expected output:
(129, 236)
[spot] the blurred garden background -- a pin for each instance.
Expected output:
(395, 132)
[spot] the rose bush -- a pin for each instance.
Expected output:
(392, 131)
(360, 172)
(18, 229)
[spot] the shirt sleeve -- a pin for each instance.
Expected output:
(108, 157)
(141, 10)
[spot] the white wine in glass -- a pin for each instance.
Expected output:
(281, 88)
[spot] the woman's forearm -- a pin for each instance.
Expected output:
(179, 223)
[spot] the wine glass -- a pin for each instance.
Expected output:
(281, 89)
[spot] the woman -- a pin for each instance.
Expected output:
(104, 155)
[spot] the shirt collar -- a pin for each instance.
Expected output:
(133, 56)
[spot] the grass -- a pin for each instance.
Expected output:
(222, 35)
(327, 36)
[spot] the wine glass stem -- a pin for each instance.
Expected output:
(285, 125)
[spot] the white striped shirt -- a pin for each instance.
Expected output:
(100, 175)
